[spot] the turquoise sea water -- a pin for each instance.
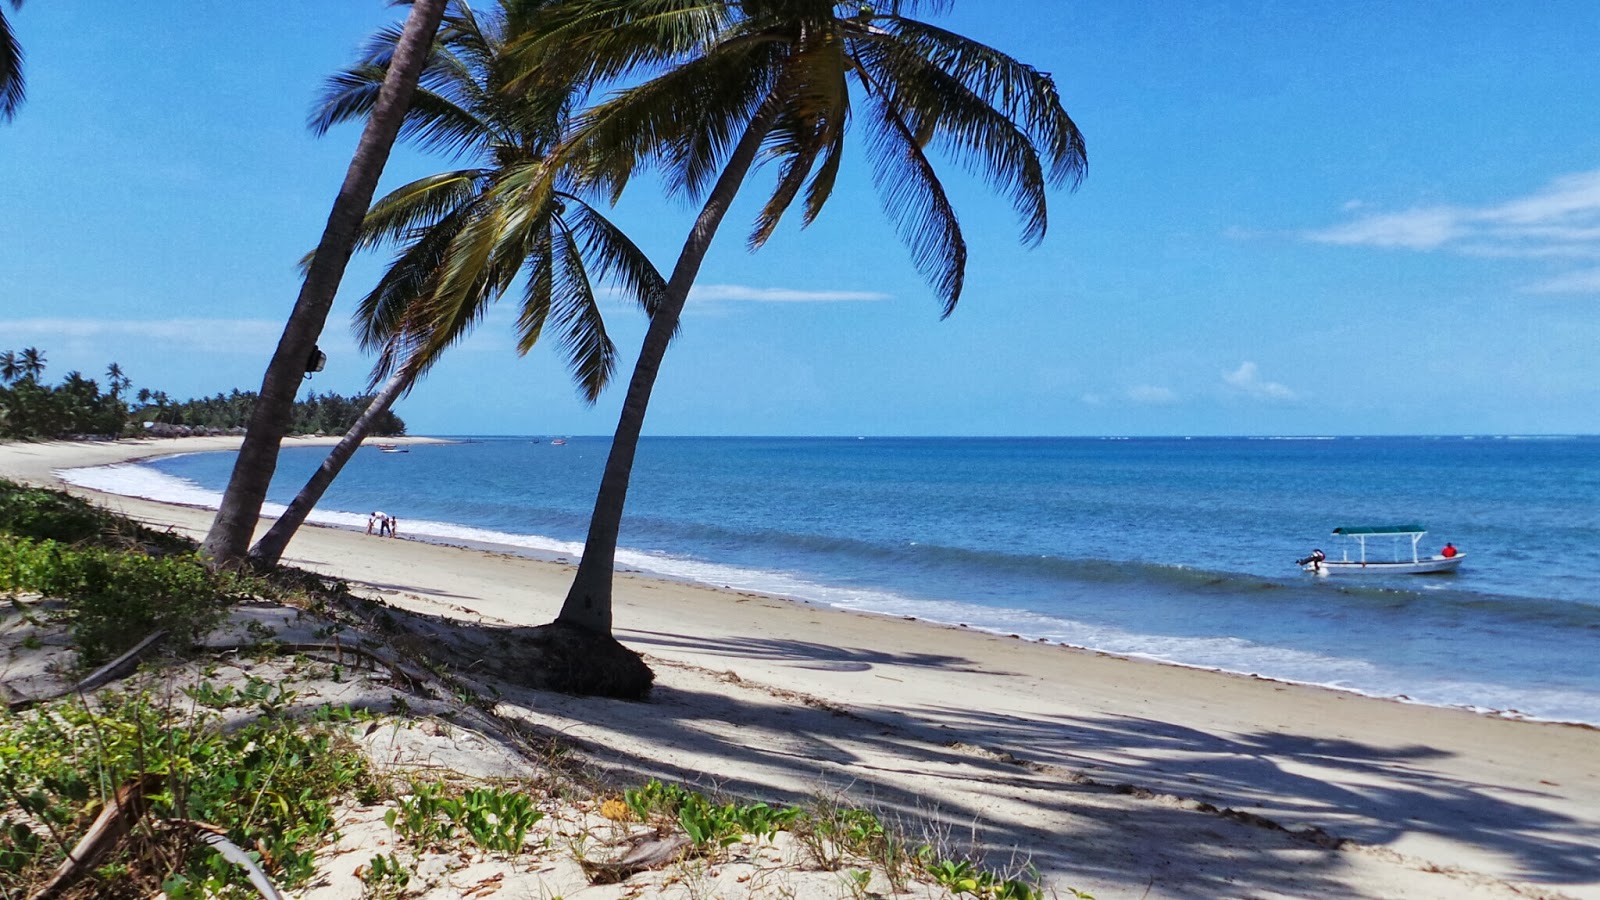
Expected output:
(1175, 549)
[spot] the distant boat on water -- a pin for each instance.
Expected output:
(1320, 564)
(559, 441)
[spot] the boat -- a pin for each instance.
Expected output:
(1320, 564)
(390, 448)
(559, 441)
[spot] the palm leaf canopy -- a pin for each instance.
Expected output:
(12, 84)
(465, 236)
(693, 74)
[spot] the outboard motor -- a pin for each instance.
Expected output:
(1315, 557)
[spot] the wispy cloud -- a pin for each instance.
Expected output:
(209, 335)
(1247, 380)
(1151, 395)
(1586, 281)
(742, 293)
(1559, 221)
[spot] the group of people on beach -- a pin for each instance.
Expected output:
(383, 524)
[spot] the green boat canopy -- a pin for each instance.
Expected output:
(1380, 529)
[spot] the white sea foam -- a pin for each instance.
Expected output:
(1225, 654)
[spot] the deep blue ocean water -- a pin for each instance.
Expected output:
(1174, 549)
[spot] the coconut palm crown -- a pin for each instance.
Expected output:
(709, 89)
(466, 234)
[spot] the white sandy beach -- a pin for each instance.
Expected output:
(1118, 777)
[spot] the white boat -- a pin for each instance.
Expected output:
(1319, 563)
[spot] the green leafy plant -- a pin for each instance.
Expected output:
(269, 784)
(495, 820)
(384, 877)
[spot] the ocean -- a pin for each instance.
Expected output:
(1173, 549)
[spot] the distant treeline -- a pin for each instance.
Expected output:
(328, 413)
(30, 408)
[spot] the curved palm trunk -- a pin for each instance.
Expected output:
(269, 549)
(588, 603)
(236, 517)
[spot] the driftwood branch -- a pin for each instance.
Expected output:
(127, 807)
(113, 669)
(650, 853)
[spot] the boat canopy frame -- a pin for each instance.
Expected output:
(1362, 532)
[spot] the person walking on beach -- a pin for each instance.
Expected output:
(394, 527)
(383, 523)
(372, 522)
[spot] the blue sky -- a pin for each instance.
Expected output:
(1299, 218)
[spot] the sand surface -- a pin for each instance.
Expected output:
(1119, 777)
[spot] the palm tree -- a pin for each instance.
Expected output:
(31, 363)
(479, 213)
(116, 381)
(783, 78)
(10, 367)
(229, 538)
(12, 86)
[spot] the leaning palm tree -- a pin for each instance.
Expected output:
(559, 245)
(12, 85)
(229, 538)
(713, 86)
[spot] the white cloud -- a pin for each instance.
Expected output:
(1247, 380)
(1561, 220)
(1417, 229)
(210, 335)
(739, 292)
(1152, 395)
(1586, 281)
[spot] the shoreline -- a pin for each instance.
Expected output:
(548, 550)
(1422, 792)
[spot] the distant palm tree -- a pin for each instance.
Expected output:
(31, 363)
(12, 84)
(229, 538)
(783, 78)
(476, 223)
(10, 366)
(116, 382)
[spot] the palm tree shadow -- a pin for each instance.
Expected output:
(1223, 810)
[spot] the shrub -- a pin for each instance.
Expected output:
(269, 784)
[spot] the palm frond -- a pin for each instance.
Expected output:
(407, 209)
(591, 356)
(940, 108)
(686, 120)
(13, 86)
(613, 256)
(812, 126)
(1017, 90)
(915, 200)
(591, 42)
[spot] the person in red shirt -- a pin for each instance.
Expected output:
(1448, 551)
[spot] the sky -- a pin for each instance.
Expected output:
(1299, 218)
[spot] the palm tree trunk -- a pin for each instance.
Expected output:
(236, 517)
(588, 603)
(269, 549)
